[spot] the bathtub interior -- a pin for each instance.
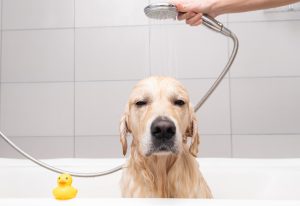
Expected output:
(259, 179)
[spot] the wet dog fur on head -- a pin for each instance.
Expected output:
(161, 120)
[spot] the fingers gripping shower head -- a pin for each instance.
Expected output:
(161, 11)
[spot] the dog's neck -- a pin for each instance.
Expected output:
(155, 171)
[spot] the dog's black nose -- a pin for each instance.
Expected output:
(163, 128)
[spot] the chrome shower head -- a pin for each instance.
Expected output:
(161, 11)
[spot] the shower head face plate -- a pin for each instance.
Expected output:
(161, 11)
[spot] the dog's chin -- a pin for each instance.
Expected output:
(162, 150)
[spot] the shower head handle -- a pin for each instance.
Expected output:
(215, 25)
(212, 23)
(209, 22)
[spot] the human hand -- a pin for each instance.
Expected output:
(192, 10)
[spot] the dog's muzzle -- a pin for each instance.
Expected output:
(163, 133)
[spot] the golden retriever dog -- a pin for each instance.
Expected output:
(165, 139)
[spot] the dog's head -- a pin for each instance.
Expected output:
(160, 118)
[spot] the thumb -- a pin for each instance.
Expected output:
(181, 7)
(190, 7)
(175, 2)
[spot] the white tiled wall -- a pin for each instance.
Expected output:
(67, 68)
(37, 109)
(42, 147)
(266, 146)
(37, 55)
(266, 106)
(111, 53)
(30, 14)
(99, 106)
(94, 13)
(214, 116)
(268, 49)
(98, 146)
(209, 148)
(189, 52)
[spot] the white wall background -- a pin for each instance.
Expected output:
(67, 67)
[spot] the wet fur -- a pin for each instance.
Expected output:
(166, 175)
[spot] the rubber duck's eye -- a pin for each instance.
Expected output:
(59, 178)
(141, 103)
(179, 102)
(66, 178)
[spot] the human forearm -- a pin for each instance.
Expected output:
(219, 7)
(192, 10)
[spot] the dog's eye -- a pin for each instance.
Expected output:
(141, 103)
(179, 102)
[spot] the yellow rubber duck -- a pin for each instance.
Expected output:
(64, 189)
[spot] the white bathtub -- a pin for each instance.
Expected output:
(232, 181)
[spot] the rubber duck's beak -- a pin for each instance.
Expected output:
(62, 181)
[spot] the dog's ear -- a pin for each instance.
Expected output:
(124, 129)
(192, 132)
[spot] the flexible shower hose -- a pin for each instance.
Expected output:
(208, 22)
